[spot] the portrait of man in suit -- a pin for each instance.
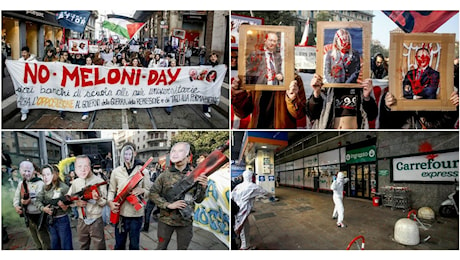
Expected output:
(423, 81)
(264, 65)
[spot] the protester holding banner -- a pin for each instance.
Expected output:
(213, 60)
(26, 56)
(270, 109)
(50, 55)
(171, 218)
(131, 220)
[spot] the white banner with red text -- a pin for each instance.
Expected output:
(213, 213)
(68, 87)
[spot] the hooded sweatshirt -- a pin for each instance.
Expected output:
(244, 195)
(120, 177)
(337, 185)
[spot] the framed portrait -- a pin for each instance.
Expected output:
(421, 71)
(266, 57)
(78, 46)
(179, 33)
(343, 53)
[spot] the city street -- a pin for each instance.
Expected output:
(20, 239)
(302, 220)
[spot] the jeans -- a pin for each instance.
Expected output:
(61, 234)
(130, 226)
(106, 214)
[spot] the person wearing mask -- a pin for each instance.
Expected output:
(34, 185)
(172, 217)
(51, 201)
(90, 227)
(337, 197)
(244, 195)
(130, 223)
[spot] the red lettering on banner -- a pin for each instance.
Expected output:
(129, 77)
(173, 76)
(151, 79)
(73, 76)
(28, 71)
(162, 78)
(113, 76)
(85, 72)
(98, 80)
(37, 72)
(43, 78)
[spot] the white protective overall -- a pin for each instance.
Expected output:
(337, 188)
(244, 195)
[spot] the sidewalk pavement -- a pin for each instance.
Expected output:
(302, 220)
(20, 239)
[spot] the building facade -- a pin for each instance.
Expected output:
(424, 163)
(33, 28)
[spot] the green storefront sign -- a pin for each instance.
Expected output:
(361, 155)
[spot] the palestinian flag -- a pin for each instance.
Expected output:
(122, 25)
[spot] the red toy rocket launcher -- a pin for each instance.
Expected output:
(123, 195)
(212, 163)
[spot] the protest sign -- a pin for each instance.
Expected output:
(213, 213)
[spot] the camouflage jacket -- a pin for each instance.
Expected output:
(162, 185)
(52, 197)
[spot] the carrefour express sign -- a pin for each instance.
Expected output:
(428, 167)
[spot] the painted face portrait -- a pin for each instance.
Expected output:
(47, 176)
(82, 167)
(26, 170)
(343, 40)
(271, 42)
(423, 58)
(179, 152)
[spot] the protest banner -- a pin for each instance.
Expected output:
(213, 213)
(305, 57)
(68, 87)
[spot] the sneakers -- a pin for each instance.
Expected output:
(23, 117)
(207, 115)
(341, 225)
(84, 117)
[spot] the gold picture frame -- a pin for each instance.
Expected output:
(253, 64)
(329, 62)
(403, 69)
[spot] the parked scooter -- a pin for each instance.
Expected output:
(449, 207)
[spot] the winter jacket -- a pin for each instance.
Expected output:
(93, 208)
(286, 111)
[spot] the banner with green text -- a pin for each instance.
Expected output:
(68, 87)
